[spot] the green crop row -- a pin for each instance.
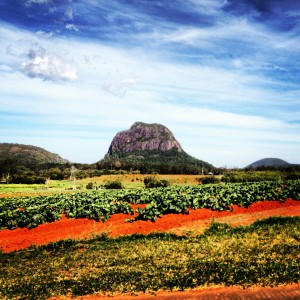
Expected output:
(32, 211)
(215, 196)
(99, 205)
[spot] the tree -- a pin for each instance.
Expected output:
(73, 171)
(8, 168)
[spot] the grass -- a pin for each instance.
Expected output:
(129, 181)
(265, 253)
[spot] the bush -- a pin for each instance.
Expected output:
(89, 186)
(113, 185)
(293, 176)
(152, 182)
(28, 179)
(209, 179)
(253, 176)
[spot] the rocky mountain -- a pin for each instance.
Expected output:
(27, 155)
(150, 148)
(142, 136)
(269, 162)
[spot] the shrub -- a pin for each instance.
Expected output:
(28, 179)
(113, 185)
(152, 182)
(89, 186)
(253, 176)
(293, 176)
(209, 179)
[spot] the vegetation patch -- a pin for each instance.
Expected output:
(100, 205)
(265, 253)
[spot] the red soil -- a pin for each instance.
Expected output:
(289, 292)
(195, 222)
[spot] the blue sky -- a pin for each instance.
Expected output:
(222, 75)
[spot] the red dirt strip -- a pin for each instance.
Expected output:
(195, 221)
(290, 292)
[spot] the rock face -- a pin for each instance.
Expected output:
(142, 136)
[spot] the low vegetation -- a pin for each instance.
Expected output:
(154, 182)
(116, 184)
(208, 180)
(101, 204)
(255, 176)
(265, 253)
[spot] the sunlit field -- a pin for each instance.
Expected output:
(70, 186)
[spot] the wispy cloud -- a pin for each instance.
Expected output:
(223, 79)
(207, 7)
(69, 14)
(38, 1)
(119, 88)
(71, 27)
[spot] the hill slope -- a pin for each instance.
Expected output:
(27, 155)
(150, 148)
(269, 162)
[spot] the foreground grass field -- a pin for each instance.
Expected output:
(265, 253)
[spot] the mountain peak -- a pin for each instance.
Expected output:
(142, 136)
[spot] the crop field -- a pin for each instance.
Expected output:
(265, 253)
(69, 186)
(100, 205)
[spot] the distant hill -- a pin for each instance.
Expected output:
(27, 155)
(269, 162)
(150, 148)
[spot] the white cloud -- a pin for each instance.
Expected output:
(47, 66)
(119, 88)
(217, 114)
(71, 27)
(44, 34)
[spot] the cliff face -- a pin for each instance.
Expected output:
(142, 136)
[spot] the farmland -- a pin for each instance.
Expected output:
(265, 253)
(69, 186)
(100, 205)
